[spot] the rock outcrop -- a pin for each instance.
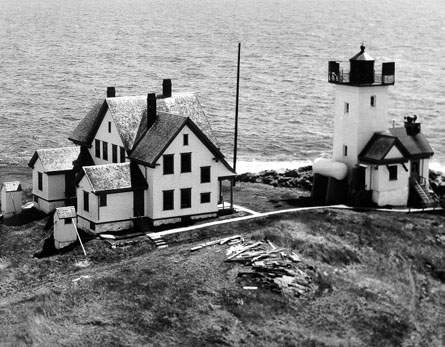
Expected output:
(296, 178)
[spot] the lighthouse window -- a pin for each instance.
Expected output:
(392, 172)
(373, 100)
(346, 107)
(345, 151)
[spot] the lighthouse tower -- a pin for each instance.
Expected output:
(361, 98)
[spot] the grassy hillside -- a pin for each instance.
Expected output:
(379, 282)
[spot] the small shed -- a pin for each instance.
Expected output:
(11, 198)
(64, 226)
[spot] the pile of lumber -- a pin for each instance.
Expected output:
(267, 266)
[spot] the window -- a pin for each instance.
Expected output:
(40, 180)
(114, 153)
(97, 147)
(109, 127)
(103, 200)
(68, 221)
(373, 100)
(392, 172)
(105, 150)
(186, 162)
(186, 198)
(86, 201)
(345, 150)
(346, 107)
(205, 198)
(169, 167)
(168, 201)
(186, 139)
(205, 174)
(122, 154)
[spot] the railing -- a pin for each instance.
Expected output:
(422, 183)
(344, 78)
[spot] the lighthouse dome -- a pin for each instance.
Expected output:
(362, 55)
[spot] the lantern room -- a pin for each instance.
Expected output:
(361, 71)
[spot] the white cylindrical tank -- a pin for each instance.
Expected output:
(330, 168)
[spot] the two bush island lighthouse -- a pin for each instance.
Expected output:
(371, 163)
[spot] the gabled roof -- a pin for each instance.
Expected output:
(152, 144)
(83, 134)
(55, 160)
(113, 178)
(84, 159)
(410, 146)
(188, 105)
(11, 187)
(129, 112)
(154, 141)
(66, 212)
(416, 145)
(378, 148)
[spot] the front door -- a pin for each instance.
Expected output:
(138, 203)
(415, 170)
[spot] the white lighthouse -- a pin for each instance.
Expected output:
(361, 104)
(372, 163)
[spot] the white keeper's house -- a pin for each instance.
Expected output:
(373, 159)
(150, 158)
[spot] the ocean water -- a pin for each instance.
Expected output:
(58, 57)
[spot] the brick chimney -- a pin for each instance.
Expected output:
(167, 88)
(111, 92)
(151, 109)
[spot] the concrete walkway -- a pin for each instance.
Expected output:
(254, 214)
(237, 219)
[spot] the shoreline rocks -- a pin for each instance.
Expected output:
(295, 178)
(303, 178)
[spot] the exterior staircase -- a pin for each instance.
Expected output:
(158, 241)
(143, 225)
(421, 195)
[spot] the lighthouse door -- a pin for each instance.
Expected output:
(415, 173)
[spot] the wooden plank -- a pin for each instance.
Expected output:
(75, 228)
(243, 250)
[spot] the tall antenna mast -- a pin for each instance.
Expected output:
(236, 110)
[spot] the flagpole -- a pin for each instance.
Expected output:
(236, 110)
